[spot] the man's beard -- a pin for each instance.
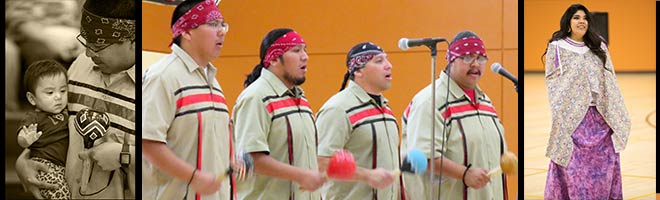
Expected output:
(295, 81)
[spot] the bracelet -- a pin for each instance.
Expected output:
(193, 176)
(464, 173)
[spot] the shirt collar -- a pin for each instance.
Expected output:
(362, 95)
(131, 73)
(278, 85)
(61, 116)
(571, 47)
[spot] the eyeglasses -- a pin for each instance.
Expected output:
(95, 49)
(219, 25)
(469, 59)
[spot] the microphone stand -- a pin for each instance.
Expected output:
(434, 54)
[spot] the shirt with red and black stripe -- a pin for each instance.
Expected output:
(475, 137)
(353, 120)
(184, 107)
(269, 117)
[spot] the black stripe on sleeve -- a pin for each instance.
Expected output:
(200, 110)
(195, 87)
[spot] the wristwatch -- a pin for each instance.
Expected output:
(125, 155)
(125, 158)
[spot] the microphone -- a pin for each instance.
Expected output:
(405, 43)
(497, 68)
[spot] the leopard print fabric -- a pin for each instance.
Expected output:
(56, 176)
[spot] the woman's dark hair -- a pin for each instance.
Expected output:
(265, 43)
(179, 11)
(591, 39)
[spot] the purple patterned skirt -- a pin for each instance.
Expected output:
(594, 171)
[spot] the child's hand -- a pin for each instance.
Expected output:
(28, 135)
(32, 132)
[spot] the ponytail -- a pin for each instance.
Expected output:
(343, 83)
(256, 72)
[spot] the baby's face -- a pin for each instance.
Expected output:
(51, 94)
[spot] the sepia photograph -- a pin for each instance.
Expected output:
(70, 99)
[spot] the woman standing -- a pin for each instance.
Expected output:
(590, 123)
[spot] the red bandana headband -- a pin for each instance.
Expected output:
(465, 46)
(281, 45)
(202, 12)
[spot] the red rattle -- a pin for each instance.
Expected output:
(342, 165)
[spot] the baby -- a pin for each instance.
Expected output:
(44, 130)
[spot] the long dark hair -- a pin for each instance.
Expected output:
(265, 43)
(591, 39)
(349, 74)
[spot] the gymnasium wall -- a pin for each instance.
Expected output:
(632, 32)
(331, 28)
